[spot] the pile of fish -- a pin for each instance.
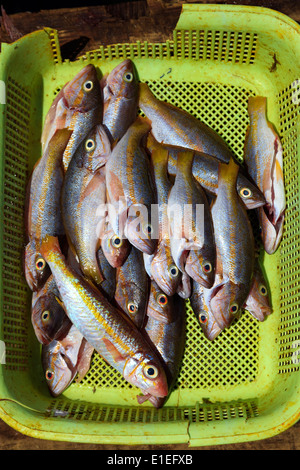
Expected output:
(134, 207)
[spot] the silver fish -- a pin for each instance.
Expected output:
(83, 195)
(263, 158)
(106, 328)
(63, 360)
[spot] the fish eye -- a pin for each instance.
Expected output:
(131, 307)
(234, 308)
(173, 270)
(90, 145)
(49, 374)
(150, 371)
(88, 86)
(162, 299)
(45, 316)
(116, 241)
(40, 264)
(263, 290)
(203, 318)
(147, 229)
(128, 77)
(206, 267)
(245, 193)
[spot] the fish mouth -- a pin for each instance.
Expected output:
(42, 336)
(145, 245)
(254, 204)
(157, 402)
(206, 281)
(159, 391)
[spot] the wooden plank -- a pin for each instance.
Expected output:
(86, 28)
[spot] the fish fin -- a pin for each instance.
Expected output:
(113, 350)
(92, 186)
(278, 171)
(115, 143)
(60, 302)
(103, 80)
(116, 186)
(84, 360)
(142, 398)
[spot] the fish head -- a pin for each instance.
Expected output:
(49, 319)
(147, 373)
(83, 92)
(164, 270)
(121, 81)
(115, 248)
(258, 302)
(140, 232)
(249, 193)
(36, 269)
(96, 149)
(132, 300)
(200, 266)
(160, 305)
(59, 371)
(203, 313)
(226, 301)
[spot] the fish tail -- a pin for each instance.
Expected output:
(185, 162)
(228, 172)
(146, 95)
(49, 245)
(143, 124)
(152, 143)
(159, 156)
(257, 104)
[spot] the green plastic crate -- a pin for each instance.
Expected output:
(245, 385)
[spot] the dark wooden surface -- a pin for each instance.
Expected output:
(82, 29)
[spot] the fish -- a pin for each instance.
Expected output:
(190, 228)
(78, 107)
(235, 249)
(63, 360)
(83, 200)
(115, 249)
(108, 273)
(184, 289)
(120, 100)
(109, 330)
(203, 313)
(49, 320)
(130, 191)
(169, 340)
(263, 160)
(205, 169)
(163, 268)
(43, 212)
(160, 306)
(174, 126)
(132, 287)
(258, 302)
